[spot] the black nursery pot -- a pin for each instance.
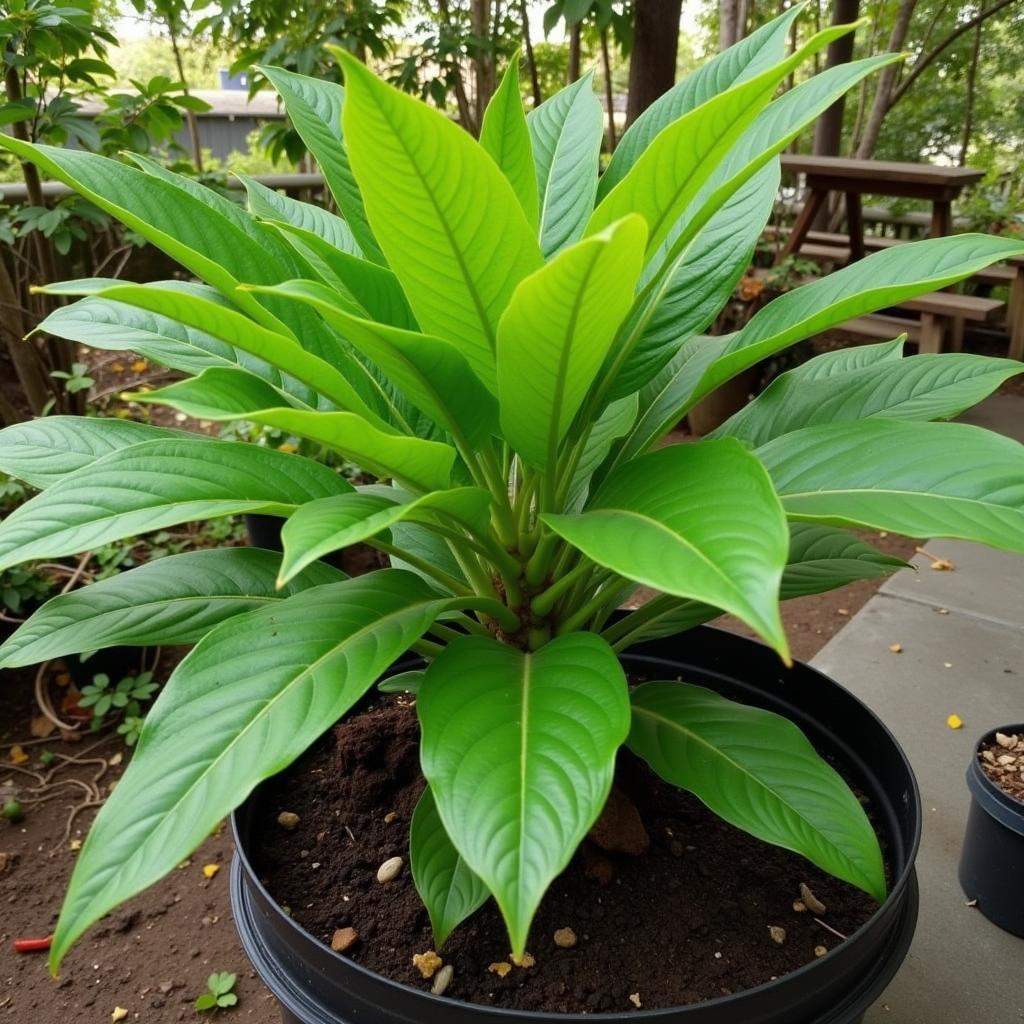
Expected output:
(317, 986)
(992, 861)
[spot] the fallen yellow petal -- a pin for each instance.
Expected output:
(209, 870)
(76, 844)
(139, 365)
(955, 722)
(119, 1014)
(288, 447)
(17, 755)
(896, 648)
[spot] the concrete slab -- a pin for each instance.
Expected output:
(985, 583)
(1001, 413)
(961, 968)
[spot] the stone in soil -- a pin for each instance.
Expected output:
(655, 909)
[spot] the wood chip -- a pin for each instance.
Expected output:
(390, 817)
(501, 968)
(799, 906)
(525, 961)
(343, 939)
(565, 937)
(820, 950)
(1007, 742)
(810, 900)
(443, 980)
(427, 963)
(778, 934)
(635, 1000)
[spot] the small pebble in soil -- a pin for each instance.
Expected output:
(344, 938)
(443, 980)
(1006, 742)
(390, 870)
(288, 820)
(635, 1000)
(390, 817)
(810, 900)
(989, 756)
(565, 937)
(778, 934)
(799, 906)
(820, 950)
(427, 963)
(501, 968)
(1005, 759)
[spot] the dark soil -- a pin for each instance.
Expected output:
(687, 921)
(1003, 763)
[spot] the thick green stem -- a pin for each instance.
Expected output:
(540, 561)
(427, 649)
(445, 579)
(636, 620)
(544, 602)
(579, 618)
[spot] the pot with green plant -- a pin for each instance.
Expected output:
(502, 339)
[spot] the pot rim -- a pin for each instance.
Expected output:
(897, 890)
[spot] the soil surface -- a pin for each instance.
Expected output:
(689, 920)
(1003, 762)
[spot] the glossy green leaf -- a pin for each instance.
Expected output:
(566, 133)
(320, 527)
(505, 136)
(649, 522)
(432, 373)
(748, 58)
(519, 751)
(449, 889)
(759, 772)
(612, 424)
(918, 479)
(554, 336)
(314, 107)
(222, 394)
(403, 682)
(41, 452)
(156, 484)
(251, 697)
(444, 214)
(172, 600)
(924, 387)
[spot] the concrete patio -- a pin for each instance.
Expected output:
(962, 639)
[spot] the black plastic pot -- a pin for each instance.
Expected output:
(265, 532)
(992, 861)
(317, 986)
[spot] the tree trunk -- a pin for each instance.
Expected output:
(609, 94)
(531, 60)
(828, 132)
(466, 118)
(575, 52)
(190, 117)
(652, 67)
(728, 18)
(483, 61)
(886, 82)
(972, 83)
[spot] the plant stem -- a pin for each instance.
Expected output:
(446, 580)
(545, 601)
(540, 561)
(623, 631)
(582, 614)
(426, 648)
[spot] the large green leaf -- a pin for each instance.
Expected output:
(758, 771)
(432, 373)
(505, 136)
(615, 421)
(554, 336)
(250, 698)
(882, 279)
(156, 484)
(223, 394)
(566, 132)
(694, 520)
(326, 525)
(918, 479)
(40, 452)
(449, 889)
(670, 172)
(925, 387)
(445, 216)
(749, 57)
(314, 107)
(519, 750)
(173, 600)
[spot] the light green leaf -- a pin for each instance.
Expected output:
(156, 484)
(925, 387)
(41, 452)
(554, 336)
(505, 136)
(449, 889)
(918, 479)
(326, 525)
(223, 394)
(314, 107)
(615, 421)
(519, 751)
(444, 214)
(172, 600)
(566, 132)
(403, 682)
(758, 771)
(694, 520)
(251, 697)
(433, 374)
(749, 57)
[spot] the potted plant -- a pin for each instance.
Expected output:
(502, 339)
(993, 853)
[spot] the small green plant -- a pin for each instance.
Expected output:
(76, 379)
(218, 995)
(502, 338)
(21, 587)
(125, 697)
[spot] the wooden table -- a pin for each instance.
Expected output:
(855, 178)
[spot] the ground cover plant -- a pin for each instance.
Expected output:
(501, 338)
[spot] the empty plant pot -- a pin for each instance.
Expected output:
(992, 862)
